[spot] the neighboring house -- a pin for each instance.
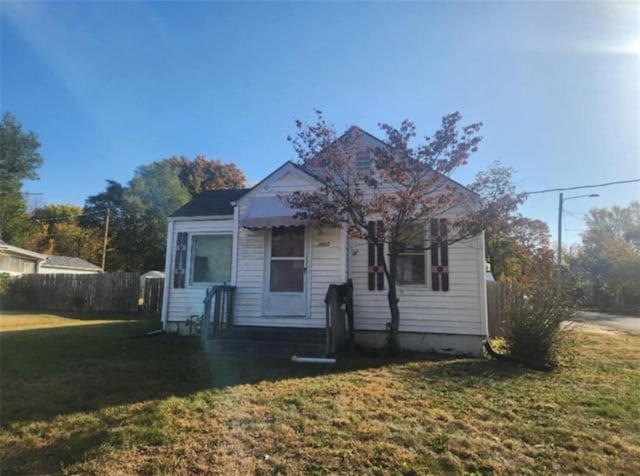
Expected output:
(18, 261)
(281, 268)
(67, 265)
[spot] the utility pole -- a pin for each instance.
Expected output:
(106, 234)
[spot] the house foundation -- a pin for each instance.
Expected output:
(425, 342)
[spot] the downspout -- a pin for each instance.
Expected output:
(313, 360)
(483, 288)
(347, 246)
(234, 245)
(167, 274)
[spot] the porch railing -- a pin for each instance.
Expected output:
(218, 311)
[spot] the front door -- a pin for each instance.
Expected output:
(286, 272)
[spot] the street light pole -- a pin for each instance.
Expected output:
(561, 201)
(560, 205)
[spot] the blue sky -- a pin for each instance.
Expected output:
(111, 86)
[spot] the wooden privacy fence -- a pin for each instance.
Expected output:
(112, 292)
(498, 295)
(152, 297)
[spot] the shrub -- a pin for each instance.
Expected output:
(533, 316)
(14, 292)
(5, 282)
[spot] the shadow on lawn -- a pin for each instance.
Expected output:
(60, 370)
(50, 372)
(47, 373)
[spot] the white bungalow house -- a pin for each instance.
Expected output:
(281, 268)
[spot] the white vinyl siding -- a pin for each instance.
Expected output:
(185, 302)
(461, 310)
(17, 265)
(326, 256)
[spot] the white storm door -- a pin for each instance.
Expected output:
(285, 293)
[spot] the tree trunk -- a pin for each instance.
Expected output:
(393, 342)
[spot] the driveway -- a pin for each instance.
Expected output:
(613, 321)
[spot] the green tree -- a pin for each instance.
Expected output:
(154, 193)
(19, 160)
(122, 225)
(138, 211)
(610, 254)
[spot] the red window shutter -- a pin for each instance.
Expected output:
(435, 244)
(180, 261)
(375, 257)
(380, 270)
(439, 255)
(444, 254)
(371, 256)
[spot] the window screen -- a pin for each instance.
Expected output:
(211, 259)
(410, 263)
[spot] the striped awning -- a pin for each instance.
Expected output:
(268, 212)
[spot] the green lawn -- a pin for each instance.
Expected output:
(80, 396)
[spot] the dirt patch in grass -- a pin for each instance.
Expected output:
(91, 400)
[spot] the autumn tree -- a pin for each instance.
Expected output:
(19, 160)
(401, 188)
(516, 247)
(138, 211)
(202, 174)
(56, 231)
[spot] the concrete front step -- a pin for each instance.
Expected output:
(236, 346)
(289, 334)
(270, 340)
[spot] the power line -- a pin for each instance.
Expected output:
(582, 186)
(70, 217)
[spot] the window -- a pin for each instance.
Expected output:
(410, 263)
(211, 259)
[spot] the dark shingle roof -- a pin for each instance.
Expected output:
(210, 203)
(68, 262)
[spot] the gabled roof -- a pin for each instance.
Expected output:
(21, 251)
(210, 203)
(359, 130)
(219, 202)
(69, 262)
(281, 171)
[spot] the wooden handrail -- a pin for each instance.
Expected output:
(221, 297)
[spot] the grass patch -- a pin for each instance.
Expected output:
(81, 397)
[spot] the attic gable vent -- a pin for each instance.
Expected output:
(363, 162)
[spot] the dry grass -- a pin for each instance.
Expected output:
(90, 400)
